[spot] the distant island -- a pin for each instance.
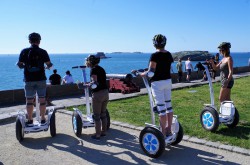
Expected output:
(194, 55)
(101, 55)
(126, 52)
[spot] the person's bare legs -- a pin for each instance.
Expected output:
(29, 107)
(187, 77)
(42, 101)
(169, 121)
(224, 94)
(163, 123)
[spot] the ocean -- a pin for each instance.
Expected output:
(118, 63)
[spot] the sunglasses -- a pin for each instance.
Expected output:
(222, 50)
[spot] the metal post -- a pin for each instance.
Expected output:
(150, 100)
(210, 85)
(86, 92)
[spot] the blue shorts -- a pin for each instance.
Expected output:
(31, 88)
(188, 71)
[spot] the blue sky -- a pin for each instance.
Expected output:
(88, 26)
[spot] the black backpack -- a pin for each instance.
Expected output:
(34, 61)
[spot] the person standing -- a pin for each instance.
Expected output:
(68, 78)
(161, 82)
(217, 58)
(32, 60)
(179, 69)
(55, 79)
(100, 95)
(226, 71)
(212, 71)
(188, 68)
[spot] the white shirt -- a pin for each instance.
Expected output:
(188, 65)
(68, 79)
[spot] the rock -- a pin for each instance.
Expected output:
(194, 55)
(101, 55)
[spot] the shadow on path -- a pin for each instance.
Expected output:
(119, 143)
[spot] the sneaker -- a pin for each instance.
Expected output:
(29, 123)
(95, 137)
(43, 122)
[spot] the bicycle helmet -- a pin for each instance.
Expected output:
(225, 45)
(159, 40)
(34, 37)
(93, 60)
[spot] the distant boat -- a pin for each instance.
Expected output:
(101, 55)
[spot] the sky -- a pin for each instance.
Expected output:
(89, 26)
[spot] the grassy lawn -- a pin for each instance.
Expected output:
(187, 104)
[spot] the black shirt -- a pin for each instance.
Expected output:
(101, 78)
(55, 79)
(163, 62)
(42, 57)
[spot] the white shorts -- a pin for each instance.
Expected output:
(161, 91)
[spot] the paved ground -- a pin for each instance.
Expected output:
(119, 147)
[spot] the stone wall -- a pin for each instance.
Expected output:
(10, 97)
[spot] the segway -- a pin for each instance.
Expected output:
(151, 138)
(78, 120)
(22, 128)
(209, 116)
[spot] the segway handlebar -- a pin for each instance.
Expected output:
(81, 67)
(137, 72)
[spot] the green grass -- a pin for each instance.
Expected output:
(188, 104)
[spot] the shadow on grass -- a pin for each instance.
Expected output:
(241, 132)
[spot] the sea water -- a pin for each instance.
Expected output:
(118, 63)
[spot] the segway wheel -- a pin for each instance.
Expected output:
(152, 142)
(19, 130)
(209, 119)
(179, 136)
(77, 124)
(108, 119)
(52, 125)
(235, 121)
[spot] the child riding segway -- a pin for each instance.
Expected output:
(100, 118)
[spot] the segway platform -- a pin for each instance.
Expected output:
(22, 128)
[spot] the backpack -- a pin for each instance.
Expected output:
(34, 61)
